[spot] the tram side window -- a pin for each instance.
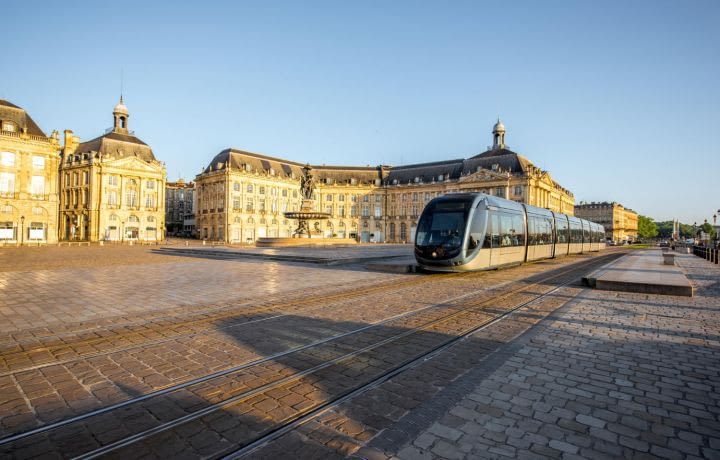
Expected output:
(562, 232)
(476, 230)
(586, 235)
(531, 230)
(512, 229)
(575, 233)
(492, 233)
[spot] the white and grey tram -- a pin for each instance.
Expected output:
(475, 231)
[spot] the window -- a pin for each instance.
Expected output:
(415, 196)
(237, 204)
(366, 198)
(131, 198)
(365, 211)
(341, 210)
(236, 187)
(328, 197)
(7, 159)
(36, 231)
(249, 188)
(75, 178)
(112, 197)
(378, 198)
(151, 219)
(284, 192)
(274, 206)
(440, 177)
(7, 182)
(499, 192)
(353, 211)
(261, 206)
(295, 193)
(86, 177)
(249, 205)
(427, 196)
(505, 229)
(133, 219)
(8, 126)
(150, 184)
(37, 211)
(262, 190)
(353, 198)
(518, 190)
(38, 162)
(112, 180)
(341, 197)
(113, 218)
(378, 211)
(328, 209)
(150, 201)
(37, 185)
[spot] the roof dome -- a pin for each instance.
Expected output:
(120, 107)
(499, 127)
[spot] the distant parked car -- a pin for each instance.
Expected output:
(664, 244)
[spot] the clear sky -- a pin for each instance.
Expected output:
(620, 101)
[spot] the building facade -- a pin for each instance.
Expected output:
(179, 208)
(28, 179)
(111, 187)
(242, 195)
(621, 223)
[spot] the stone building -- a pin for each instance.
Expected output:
(242, 195)
(28, 179)
(179, 202)
(621, 223)
(111, 187)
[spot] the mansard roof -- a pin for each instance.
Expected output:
(505, 159)
(18, 115)
(118, 145)
(256, 162)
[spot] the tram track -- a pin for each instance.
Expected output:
(444, 314)
(203, 325)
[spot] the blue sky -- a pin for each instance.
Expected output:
(618, 100)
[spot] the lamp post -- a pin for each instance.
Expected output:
(122, 231)
(22, 230)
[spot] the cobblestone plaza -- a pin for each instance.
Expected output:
(100, 344)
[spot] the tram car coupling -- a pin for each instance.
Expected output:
(475, 231)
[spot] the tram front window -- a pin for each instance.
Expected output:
(442, 228)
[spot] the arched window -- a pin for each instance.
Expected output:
(133, 219)
(123, 122)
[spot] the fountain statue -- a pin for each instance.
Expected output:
(302, 236)
(306, 213)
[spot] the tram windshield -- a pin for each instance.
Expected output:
(443, 225)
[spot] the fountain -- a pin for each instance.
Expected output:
(302, 236)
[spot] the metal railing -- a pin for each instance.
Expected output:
(710, 254)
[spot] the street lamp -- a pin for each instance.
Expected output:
(22, 229)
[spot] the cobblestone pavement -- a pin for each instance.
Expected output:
(608, 375)
(90, 285)
(47, 387)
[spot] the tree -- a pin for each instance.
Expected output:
(665, 229)
(707, 228)
(647, 227)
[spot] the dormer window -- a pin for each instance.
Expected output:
(395, 181)
(248, 167)
(495, 167)
(272, 172)
(353, 181)
(417, 180)
(441, 177)
(328, 181)
(9, 126)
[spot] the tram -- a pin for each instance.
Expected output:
(475, 231)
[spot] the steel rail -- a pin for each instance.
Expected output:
(248, 394)
(344, 295)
